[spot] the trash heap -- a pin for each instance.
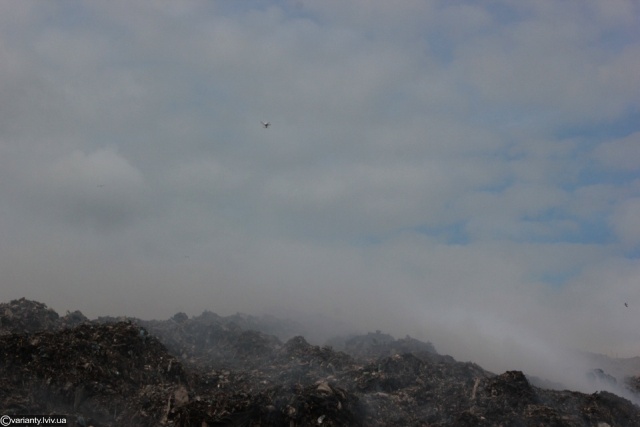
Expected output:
(25, 316)
(111, 374)
(212, 342)
(375, 345)
(633, 383)
(209, 371)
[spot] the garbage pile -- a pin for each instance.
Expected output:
(375, 345)
(112, 374)
(633, 383)
(213, 342)
(25, 316)
(207, 371)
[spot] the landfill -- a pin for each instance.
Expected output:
(211, 370)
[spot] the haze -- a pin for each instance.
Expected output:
(464, 172)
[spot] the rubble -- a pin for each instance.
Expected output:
(633, 383)
(209, 371)
(22, 316)
(107, 374)
(375, 345)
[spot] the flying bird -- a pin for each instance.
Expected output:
(265, 124)
(626, 305)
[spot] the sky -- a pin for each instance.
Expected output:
(465, 172)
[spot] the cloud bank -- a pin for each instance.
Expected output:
(466, 173)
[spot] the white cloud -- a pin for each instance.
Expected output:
(549, 60)
(620, 155)
(99, 189)
(413, 170)
(625, 220)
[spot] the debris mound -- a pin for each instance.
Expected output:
(110, 374)
(211, 341)
(22, 316)
(378, 344)
(209, 371)
(25, 316)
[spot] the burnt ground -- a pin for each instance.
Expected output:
(233, 371)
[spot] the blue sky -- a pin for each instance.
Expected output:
(430, 165)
